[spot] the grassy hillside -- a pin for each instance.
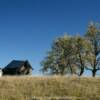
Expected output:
(49, 88)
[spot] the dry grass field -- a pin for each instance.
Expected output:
(49, 88)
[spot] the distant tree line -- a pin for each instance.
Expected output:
(74, 54)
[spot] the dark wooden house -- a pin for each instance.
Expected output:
(17, 67)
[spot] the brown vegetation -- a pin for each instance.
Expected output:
(47, 88)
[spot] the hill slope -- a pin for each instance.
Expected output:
(49, 88)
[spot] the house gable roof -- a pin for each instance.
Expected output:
(17, 64)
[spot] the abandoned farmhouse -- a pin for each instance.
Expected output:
(17, 67)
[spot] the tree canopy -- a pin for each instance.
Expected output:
(74, 54)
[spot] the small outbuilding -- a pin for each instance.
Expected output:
(18, 67)
(0, 72)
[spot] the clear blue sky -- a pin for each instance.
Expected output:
(28, 27)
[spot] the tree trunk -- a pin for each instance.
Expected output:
(70, 67)
(81, 72)
(71, 70)
(94, 72)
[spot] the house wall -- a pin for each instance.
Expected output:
(22, 69)
(25, 70)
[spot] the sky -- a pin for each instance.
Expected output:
(28, 27)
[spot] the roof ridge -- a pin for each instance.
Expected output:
(19, 60)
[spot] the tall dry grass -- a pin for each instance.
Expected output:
(49, 88)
